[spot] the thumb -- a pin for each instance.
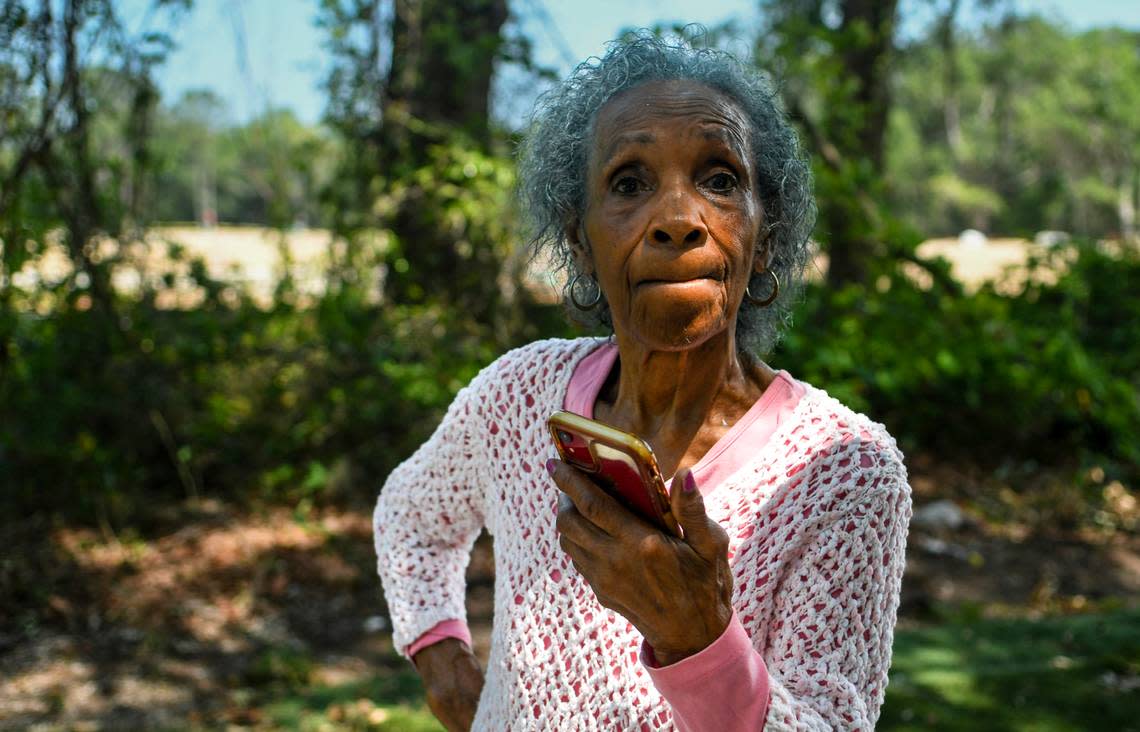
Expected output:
(701, 533)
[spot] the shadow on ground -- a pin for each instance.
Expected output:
(274, 619)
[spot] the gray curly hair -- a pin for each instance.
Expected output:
(553, 160)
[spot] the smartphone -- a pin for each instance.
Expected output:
(621, 463)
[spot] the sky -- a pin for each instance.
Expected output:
(258, 54)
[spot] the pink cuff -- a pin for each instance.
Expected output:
(725, 686)
(440, 631)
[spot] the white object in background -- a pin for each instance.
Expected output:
(941, 514)
(972, 238)
(1051, 238)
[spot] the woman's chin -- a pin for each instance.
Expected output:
(679, 325)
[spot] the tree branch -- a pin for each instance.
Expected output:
(831, 156)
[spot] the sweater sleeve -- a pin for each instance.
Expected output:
(427, 518)
(438, 633)
(826, 662)
(829, 652)
(723, 687)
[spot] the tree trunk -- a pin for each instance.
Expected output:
(1126, 207)
(82, 212)
(865, 47)
(951, 112)
(439, 83)
(443, 54)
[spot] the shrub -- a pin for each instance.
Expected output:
(1050, 373)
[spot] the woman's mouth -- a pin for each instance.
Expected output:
(677, 280)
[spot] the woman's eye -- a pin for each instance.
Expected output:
(627, 185)
(722, 182)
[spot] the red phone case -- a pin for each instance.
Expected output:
(623, 464)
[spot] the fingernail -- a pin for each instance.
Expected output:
(690, 483)
(550, 466)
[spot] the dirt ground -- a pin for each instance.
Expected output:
(195, 620)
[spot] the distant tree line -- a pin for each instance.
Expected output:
(269, 171)
(1017, 127)
(112, 398)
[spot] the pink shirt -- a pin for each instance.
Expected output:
(739, 697)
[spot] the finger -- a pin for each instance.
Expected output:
(592, 502)
(581, 559)
(580, 554)
(704, 535)
(577, 528)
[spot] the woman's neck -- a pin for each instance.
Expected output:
(681, 402)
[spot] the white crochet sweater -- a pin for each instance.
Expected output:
(817, 521)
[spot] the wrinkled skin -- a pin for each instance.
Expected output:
(670, 230)
(677, 592)
(452, 680)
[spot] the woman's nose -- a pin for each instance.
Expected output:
(678, 222)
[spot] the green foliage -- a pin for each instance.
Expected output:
(460, 202)
(1050, 373)
(114, 403)
(1015, 128)
(282, 667)
(268, 171)
(297, 402)
(1063, 673)
(225, 399)
(389, 701)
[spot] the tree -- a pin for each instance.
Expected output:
(419, 141)
(76, 106)
(443, 56)
(1048, 139)
(834, 62)
(186, 150)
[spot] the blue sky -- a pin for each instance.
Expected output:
(262, 53)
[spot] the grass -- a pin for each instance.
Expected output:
(1053, 674)
(1059, 673)
(392, 702)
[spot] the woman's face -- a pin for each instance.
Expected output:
(672, 212)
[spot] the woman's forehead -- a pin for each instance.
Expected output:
(626, 116)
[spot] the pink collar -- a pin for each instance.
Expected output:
(735, 448)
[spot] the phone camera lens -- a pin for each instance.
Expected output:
(564, 437)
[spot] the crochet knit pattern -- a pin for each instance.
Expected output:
(817, 523)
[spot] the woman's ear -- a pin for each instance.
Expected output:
(579, 247)
(572, 229)
(765, 253)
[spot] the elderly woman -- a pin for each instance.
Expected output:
(671, 186)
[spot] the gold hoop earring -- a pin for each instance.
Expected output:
(762, 303)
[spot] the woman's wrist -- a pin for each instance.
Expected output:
(442, 653)
(668, 653)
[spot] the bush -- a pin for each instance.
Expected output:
(105, 419)
(109, 417)
(1049, 374)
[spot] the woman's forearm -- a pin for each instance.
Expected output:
(723, 687)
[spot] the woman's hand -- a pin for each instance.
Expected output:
(677, 592)
(452, 680)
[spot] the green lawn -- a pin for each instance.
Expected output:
(1065, 673)
(388, 703)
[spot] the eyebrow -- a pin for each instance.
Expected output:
(717, 132)
(627, 138)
